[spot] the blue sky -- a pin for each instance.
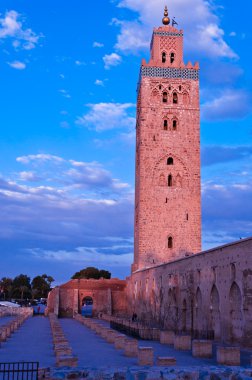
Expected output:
(68, 74)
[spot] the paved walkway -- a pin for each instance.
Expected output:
(31, 342)
(92, 350)
(4, 320)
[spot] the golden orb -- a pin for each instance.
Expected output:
(166, 19)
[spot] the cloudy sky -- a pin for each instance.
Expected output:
(68, 75)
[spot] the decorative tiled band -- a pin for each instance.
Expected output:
(170, 34)
(168, 72)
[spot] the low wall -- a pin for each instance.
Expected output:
(195, 373)
(7, 311)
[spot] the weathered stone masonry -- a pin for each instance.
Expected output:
(208, 292)
(167, 202)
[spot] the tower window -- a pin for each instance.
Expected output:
(180, 88)
(164, 97)
(169, 161)
(172, 57)
(163, 57)
(174, 125)
(187, 216)
(170, 242)
(169, 180)
(165, 125)
(175, 98)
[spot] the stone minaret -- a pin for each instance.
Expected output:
(167, 200)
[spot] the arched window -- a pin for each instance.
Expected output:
(174, 124)
(165, 124)
(232, 267)
(185, 98)
(175, 98)
(163, 57)
(172, 57)
(164, 97)
(169, 180)
(170, 242)
(169, 161)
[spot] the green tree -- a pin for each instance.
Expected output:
(105, 274)
(91, 272)
(22, 286)
(41, 285)
(6, 287)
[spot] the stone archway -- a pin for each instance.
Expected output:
(215, 312)
(183, 319)
(236, 318)
(87, 306)
(198, 310)
(172, 311)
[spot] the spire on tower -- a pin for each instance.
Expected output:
(166, 20)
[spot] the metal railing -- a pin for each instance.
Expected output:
(19, 371)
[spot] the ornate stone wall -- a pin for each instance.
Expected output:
(208, 293)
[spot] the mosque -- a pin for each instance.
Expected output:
(173, 284)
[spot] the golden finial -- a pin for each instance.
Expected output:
(166, 20)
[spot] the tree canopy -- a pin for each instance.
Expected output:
(92, 272)
(22, 287)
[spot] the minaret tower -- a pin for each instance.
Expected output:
(167, 200)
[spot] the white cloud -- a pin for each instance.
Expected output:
(41, 157)
(133, 37)
(11, 26)
(17, 65)
(80, 63)
(105, 116)
(65, 93)
(87, 256)
(230, 104)
(196, 17)
(233, 34)
(75, 175)
(28, 176)
(99, 82)
(112, 59)
(98, 44)
(222, 203)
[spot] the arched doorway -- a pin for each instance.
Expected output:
(236, 319)
(215, 312)
(184, 312)
(172, 311)
(198, 309)
(87, 306)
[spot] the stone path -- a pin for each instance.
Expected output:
(31, 342)
(4, 320)
(92, 350)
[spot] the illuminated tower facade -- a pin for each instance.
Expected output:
(167, 200)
